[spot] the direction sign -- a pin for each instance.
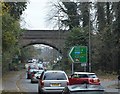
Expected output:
(78, 54)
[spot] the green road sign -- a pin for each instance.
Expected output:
(78, 54)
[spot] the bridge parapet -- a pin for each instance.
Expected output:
(53, 38)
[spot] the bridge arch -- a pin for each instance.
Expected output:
(44, 44)
(52, 38)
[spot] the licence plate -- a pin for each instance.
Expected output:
(55, 84)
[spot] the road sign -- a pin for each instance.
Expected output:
(78, 54)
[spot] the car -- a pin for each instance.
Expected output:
(83, 89)
(52, 81)
(30, 69)
(35, 74)
(84, 77)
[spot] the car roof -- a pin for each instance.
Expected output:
(54, 71)
(34, 69)
(84, 73)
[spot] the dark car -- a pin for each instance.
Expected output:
(83, 89)
(35, 73)
(30, 70)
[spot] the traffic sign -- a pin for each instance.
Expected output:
(78, 54)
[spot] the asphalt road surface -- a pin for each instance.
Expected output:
(16, 81)
(0, 78)
(25, 85)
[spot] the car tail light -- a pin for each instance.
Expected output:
(94, 80)
(68, 83)
(28, 68)
(98, 81)
(91, 80)
(29, 73)
(42, 83)
(33, 75)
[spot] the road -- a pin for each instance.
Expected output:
(0, 77)
(18, 83)
(106, 85)
(25, 85)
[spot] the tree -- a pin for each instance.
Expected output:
(117, 34)
(84, 8)
(101, 16)
(11, 31)
(77, 36)
(105, 34)
(74, 14)
(16, 8)
(26, 53)
(71, 11)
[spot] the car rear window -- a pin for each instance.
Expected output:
(31, 67)
(92, 76)
(54, 76)
(85, 76)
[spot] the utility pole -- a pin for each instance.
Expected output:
(89, 63)
(59, 36)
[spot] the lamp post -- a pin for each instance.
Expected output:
(89, 64)
(59, 31)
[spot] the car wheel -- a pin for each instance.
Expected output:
(28, 77)
(85, 82)
(39, 91)
(31, 81)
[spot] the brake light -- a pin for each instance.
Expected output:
(98, 80)
(91, 80)
(33, 75)
(28, 68)
(68, 83)
(94, 80)
(42, 83)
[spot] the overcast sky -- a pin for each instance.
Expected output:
(34, 16)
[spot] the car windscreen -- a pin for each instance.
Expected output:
(54, 76)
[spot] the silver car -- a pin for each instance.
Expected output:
(52, 81)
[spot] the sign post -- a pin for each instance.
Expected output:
(78, 54)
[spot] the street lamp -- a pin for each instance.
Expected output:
(89, 64)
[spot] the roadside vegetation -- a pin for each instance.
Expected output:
(100, 28)
(11, 31)
(96, 23)
(106, 76)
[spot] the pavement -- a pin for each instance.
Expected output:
(110, 83)
(9, 81)
(111, 86)
(0, 78)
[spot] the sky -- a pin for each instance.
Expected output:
(34, 17)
